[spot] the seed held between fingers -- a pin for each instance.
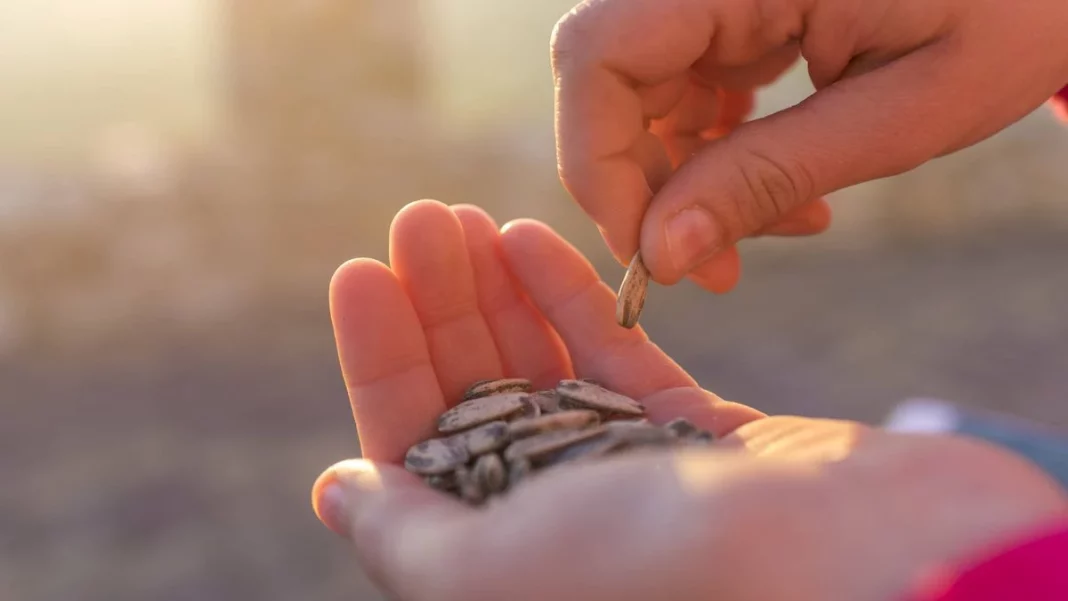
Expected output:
(631, 296)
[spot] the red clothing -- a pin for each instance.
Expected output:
(1060, 103)
(1036, 570)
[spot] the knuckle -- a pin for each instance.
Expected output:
(566, 39)
(771, 188)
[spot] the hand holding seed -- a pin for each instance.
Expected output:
(500, 409)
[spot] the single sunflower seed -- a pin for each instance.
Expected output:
(436, 456)
(491, 474)
(548, 401)
(481, 410)
(491, 387)
(485, 438)
(631, 296)
(565, 420)
(536, 447)
(576, 394)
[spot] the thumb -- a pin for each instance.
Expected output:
(396, 523)
(877, 124)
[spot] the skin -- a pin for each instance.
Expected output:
(781, 509)
(651, 96)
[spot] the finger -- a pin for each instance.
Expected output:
(703, 408)
(720, 273)
(735, 107)
(567, 290)
(745, 77)
(527, 344)
(429, 254)
(680, 130)
(603, 53)
(391, 384)
(397, 524)
(840, 136)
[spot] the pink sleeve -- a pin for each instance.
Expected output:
(1060, 104)
(1034, 570)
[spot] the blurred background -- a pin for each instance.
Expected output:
(180, 178)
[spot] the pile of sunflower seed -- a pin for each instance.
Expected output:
(504, 432)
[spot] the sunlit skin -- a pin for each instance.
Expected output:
(782, 509)
(651, 97)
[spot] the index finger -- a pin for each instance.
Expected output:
(605, 56)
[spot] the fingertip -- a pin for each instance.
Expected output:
(521, 226)
(417, 216)
(477, 224)
(357, 277)
(518, 234)
(820, 215)
(327, 500)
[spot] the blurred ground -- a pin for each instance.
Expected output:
(168, 380)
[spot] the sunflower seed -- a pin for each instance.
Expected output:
(478, 411)
(491, 387)
(531, 409)
(565, 420)
(508, 433)
(490, 473)
(636, 433)
(518, 471)
(538, 446)
(576, 394)
(485, 438)
(681, 427)
(632, 291)
(547, 400)
(443, 482)
(587, 449)
(470, 490)
(436, 456)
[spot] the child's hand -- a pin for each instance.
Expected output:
(463, 302)
(643, 85)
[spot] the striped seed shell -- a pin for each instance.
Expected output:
(587, 449)
(469, 486)
(485, 438)
(576, 394)
(491, 387)
(631, 297)
(639, 434)
(478, 411)
(536, 447)
(547, 400)
(490, 473)
(565, 420)
(531, 409)
(436, 456)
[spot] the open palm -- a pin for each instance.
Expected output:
(465, 301)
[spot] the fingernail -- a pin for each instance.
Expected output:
(330, 507)
(691, 237)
